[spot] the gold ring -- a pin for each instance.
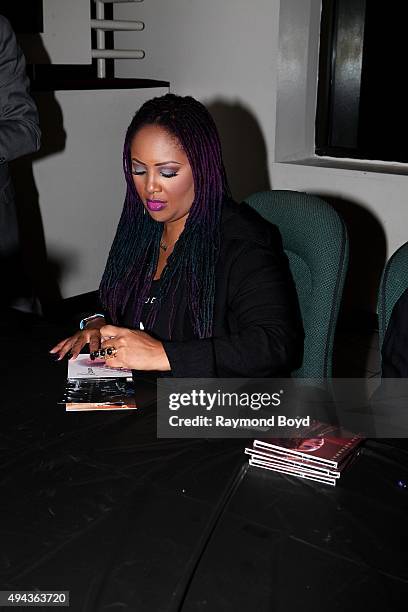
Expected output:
(108, 353)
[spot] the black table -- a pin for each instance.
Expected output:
(93, 503)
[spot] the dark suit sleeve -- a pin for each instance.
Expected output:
(263, 304)
(19, 130)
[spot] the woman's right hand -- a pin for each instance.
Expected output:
(74, 344)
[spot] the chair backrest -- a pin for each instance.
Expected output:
(393, 283)
(316, 243)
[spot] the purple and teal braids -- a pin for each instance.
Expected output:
(134, 254)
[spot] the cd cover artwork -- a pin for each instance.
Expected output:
(99, 394)
(84, 367)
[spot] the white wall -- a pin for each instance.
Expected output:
(222, 52)
(66, 38)
(258, 62)
(79, 178)
(296, 92)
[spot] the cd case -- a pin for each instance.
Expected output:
(322, 456)
(99, 394)
(91, 385)
(84, 367)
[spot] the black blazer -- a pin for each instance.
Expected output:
(19, 135)
(19, 130)
(257, 329)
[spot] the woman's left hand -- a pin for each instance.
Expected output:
(135, 349)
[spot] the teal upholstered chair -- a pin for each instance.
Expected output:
(316, 243)
(393, 283)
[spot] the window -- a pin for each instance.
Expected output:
(362, 102)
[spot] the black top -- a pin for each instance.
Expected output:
(257, 329)
(128, 318)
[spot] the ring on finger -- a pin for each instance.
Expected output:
(108, 353)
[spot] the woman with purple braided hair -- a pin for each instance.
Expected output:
(195, 284)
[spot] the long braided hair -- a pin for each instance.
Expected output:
(135, 251)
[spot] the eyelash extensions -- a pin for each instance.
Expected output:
(169, 174)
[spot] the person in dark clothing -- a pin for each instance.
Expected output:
(195, 284)
(394, 352)
(19, 135)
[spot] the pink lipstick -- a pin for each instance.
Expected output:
(155, 205)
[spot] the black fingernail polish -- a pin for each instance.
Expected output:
(54, 356)
(92, 356)
(69, 355)
(102, 352)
